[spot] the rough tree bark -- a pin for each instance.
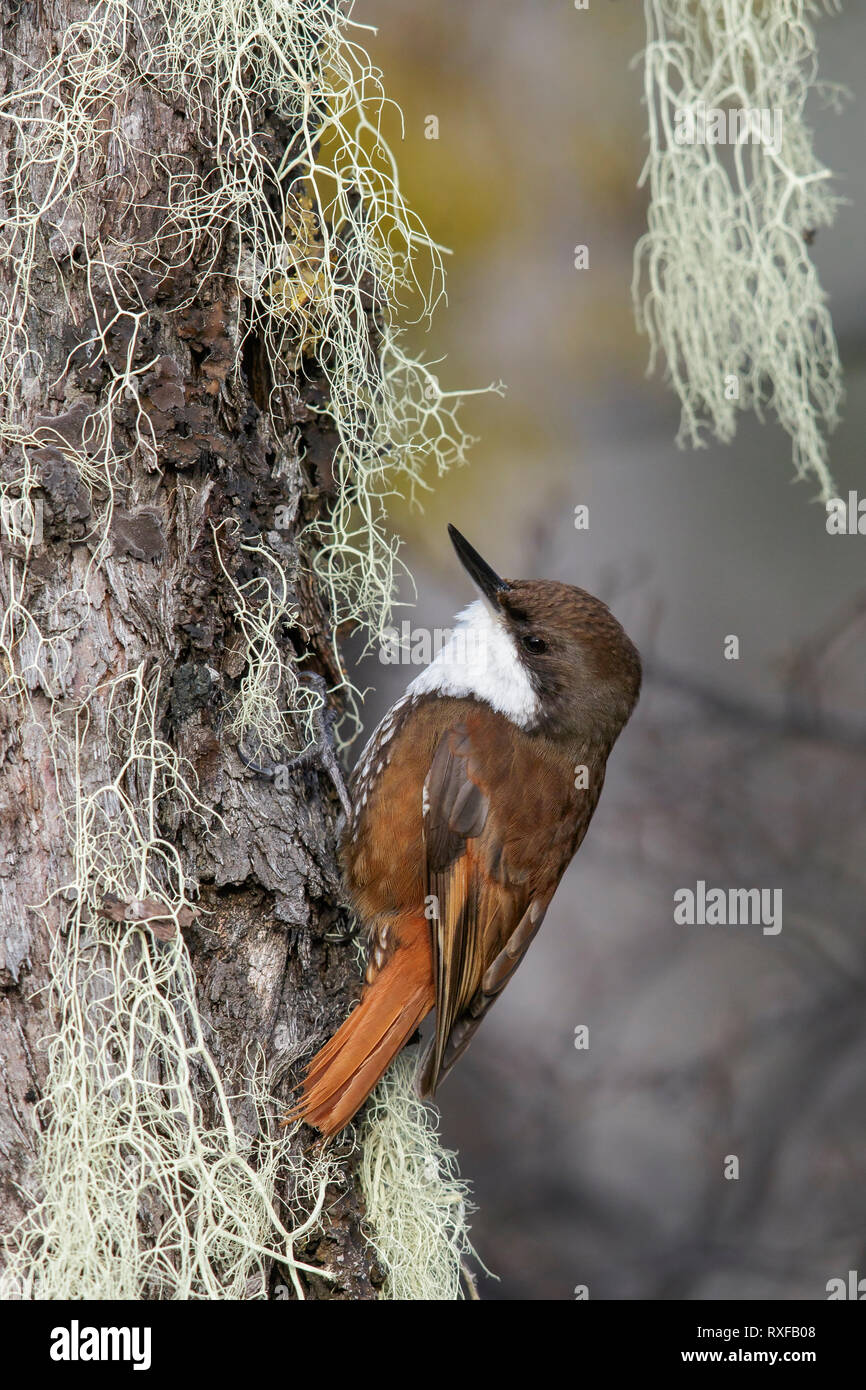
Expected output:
(266, 974)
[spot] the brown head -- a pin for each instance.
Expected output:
(583, 669)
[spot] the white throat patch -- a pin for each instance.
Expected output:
(479, 659)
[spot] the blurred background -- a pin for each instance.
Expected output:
(605, 1167)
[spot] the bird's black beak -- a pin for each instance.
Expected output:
(486, 579)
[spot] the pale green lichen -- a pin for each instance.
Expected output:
(416, 1203)
(724, 283)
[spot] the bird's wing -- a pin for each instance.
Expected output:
(481, 904)
(436, 1065)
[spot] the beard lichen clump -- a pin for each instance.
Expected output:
(417, 1205)
(723, 280)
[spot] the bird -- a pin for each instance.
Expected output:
(469, 801)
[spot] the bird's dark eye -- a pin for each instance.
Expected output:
(534, 644)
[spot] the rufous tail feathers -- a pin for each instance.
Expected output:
(344, 1072)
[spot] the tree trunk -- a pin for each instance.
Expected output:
(124, 649)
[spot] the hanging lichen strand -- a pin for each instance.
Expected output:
(323, 246)
(723, 279)
(416, 1202)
